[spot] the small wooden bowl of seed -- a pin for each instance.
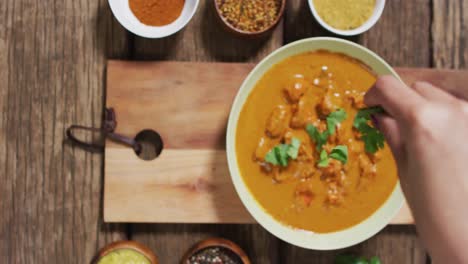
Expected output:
(250, 18)
(215, 251)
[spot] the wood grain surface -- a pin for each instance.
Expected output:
(52, 61)
(192, 166)
(449, 32)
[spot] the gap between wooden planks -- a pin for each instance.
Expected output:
(188, 104)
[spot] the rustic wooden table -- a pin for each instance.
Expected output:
(52, 60)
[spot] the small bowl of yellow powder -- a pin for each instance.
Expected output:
(125, 252)
(347, 17)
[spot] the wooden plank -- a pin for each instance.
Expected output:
(6, 192)
(449, 30)
(171, 193)
(158, 191)
(205, 92)
(193, 164)
(450, 80)
(204, 40)
(403, 34)
(402, 37)
(52, 60)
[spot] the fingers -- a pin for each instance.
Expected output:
(389, 127)
(432, 93)
(395, 97)
(436, 94)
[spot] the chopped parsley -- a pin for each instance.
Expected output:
(320, 138)
(324, 160)
(334, 119)
(339, 153)
(372, 137)
(363, 115)
(281, 153)
(293, 149)
(350, 259)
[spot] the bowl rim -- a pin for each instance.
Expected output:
(216, 242)
(118, 14)
(306, 239)
(378, 11)
(252, 33)
(126, 244)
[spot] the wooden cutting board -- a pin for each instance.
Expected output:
(188, 104)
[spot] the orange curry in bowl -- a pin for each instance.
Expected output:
(306, 148)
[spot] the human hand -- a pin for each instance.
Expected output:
(427, 130)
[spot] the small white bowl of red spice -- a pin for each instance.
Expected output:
(153, 18)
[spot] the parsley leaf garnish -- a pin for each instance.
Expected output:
(340, 153)
(334, 119)
(350, 259)
(272, 157)
(281, 153)
(293, 149)
(319, 138)
(324, 160)
(374, 260)
(372, 137)
(363, 115)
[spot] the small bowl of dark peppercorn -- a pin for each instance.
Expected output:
(215, 251)
(250, 18)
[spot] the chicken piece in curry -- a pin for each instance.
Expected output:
(306, 151)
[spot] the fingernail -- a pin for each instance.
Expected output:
(375, 121)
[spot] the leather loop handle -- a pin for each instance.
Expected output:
(110, 123)
(94, 147)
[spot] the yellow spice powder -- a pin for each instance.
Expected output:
(124, 256)
(345, 14)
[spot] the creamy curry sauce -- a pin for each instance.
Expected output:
(300, 90)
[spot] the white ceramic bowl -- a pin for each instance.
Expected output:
(301, 238)
(125, 16)
(378, 10)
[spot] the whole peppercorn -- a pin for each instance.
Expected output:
(214, 255)
(249, 15)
